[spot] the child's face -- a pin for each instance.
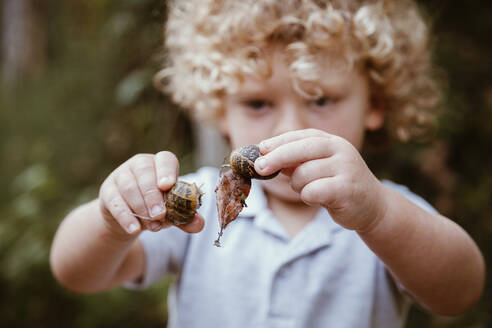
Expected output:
(265, 108)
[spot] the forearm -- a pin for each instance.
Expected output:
(89, 255)
(432, 257)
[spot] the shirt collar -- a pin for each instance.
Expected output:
(316, 234)
(257, 209)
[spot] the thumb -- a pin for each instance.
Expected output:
(196, 225)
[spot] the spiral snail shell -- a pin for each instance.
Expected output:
(242, 161)
(182, 202)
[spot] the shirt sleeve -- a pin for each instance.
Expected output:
(403, 190)
(165, 250)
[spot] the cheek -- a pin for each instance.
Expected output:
(345, 128)
(354, 134)
(243, 130)
(239, 136)
(347, 122)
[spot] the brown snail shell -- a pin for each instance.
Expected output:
(182, 202)
(242, 162)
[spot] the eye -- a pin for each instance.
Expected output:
(323, 101)
(257, 104)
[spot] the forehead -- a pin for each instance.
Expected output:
(324, 70)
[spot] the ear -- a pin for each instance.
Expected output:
(375, 114)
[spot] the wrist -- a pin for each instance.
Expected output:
(380, 209)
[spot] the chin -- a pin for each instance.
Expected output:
(280, 188)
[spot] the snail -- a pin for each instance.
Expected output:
(235, 184)
(242, 162)
(182, 202)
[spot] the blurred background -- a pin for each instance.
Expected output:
(76, 100)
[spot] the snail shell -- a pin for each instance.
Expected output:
(182, 202)
(242, 162)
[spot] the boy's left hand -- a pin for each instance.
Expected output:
(328, 170)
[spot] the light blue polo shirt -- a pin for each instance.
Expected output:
(324, 277)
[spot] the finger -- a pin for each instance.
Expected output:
(143, 170)
(196, 225)
(288, 171)
(322, 191)
(118, 208)
(128, 189)
(294, 153)
(270, 144)
(167, 168)
(155, 225)
(312, 170)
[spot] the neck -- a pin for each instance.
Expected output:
(293, 216)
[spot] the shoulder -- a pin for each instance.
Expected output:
(405, 191)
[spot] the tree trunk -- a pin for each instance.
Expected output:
(23, 40)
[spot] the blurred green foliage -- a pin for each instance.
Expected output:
(92, 106)
(61, 132)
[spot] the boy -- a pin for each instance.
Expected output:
(325, 244)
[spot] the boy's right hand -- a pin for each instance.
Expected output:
(136, 187)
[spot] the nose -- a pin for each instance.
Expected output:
(290, 116)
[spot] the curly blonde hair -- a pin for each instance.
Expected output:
(213, 44)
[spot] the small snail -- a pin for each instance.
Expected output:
(235, 184)
(242, 162)
(182, 202)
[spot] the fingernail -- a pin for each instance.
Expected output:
(265, 145)
(156, 210)
(165, 181)
(261, 163)
(132, 228)
(155, 225)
